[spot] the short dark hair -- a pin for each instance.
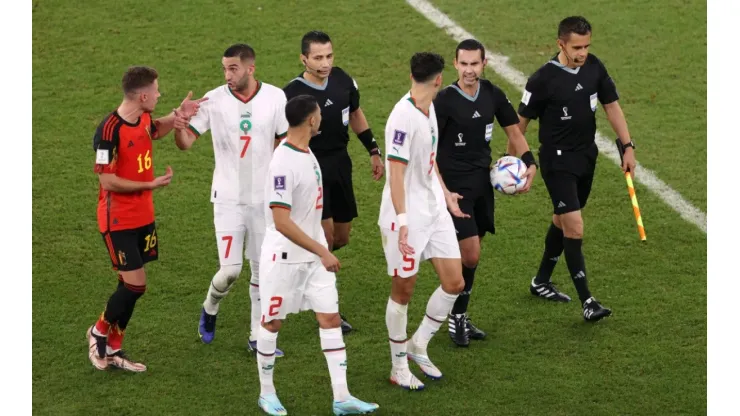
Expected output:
(471, 45)
(242, 50)
(298, 108)
(426, 65)
(314, 36)
(138, 77)
(573, 24)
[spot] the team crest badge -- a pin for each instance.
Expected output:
(245, 126)
(122, 257)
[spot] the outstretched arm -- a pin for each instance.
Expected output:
(451, 198)
(190, 122)
(188, 109)
(184, 138)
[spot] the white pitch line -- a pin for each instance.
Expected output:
(500, 64)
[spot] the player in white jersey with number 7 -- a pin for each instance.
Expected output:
(296, 266)
(415, 223)
(247, 120)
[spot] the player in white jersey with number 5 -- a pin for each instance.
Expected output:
(415, 223)
(247, 120)
(296, 266)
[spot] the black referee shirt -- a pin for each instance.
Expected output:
(565, 101)
(466, 126)
(338, 97)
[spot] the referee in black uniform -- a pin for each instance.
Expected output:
(339, 99)
(564, 94)
(465, 114)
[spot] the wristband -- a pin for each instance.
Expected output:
(368, 140)
(402, 220)
(528, 159)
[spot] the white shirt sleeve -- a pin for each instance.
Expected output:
(281, 185)
(281, 123)
(398, 132)
(201, 122)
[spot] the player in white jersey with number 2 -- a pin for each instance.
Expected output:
(415, 223)
(246, 118)
(296, 267)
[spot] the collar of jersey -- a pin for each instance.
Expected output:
(293, 147)
(412, 101)
(465, 94)
(138, 120)
(554, 61)
(248, 99)
(321, 87)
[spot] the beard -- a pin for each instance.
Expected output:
(242, 84)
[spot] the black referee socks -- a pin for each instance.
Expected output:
(577, 266)
(553, 250)
(461, 304)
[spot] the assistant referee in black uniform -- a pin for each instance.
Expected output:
(339, 98)
(564, 94)
(465, 114)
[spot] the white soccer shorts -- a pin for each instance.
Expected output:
(439, 240)
(287, 288)
(233, 224)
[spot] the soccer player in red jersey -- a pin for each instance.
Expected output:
(123, 162)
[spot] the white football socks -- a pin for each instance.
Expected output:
(266, 343)
(220, 285)
(395, 320)
(336, 359)
(439, 306)
(254, 296)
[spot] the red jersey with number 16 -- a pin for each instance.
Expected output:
(125, 149)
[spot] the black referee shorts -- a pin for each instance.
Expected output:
(477, 202)
(568, 176)
(339, 195)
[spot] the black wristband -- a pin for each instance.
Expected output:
(528, 158)
(368, 140)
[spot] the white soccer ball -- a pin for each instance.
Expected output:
(506, 175)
